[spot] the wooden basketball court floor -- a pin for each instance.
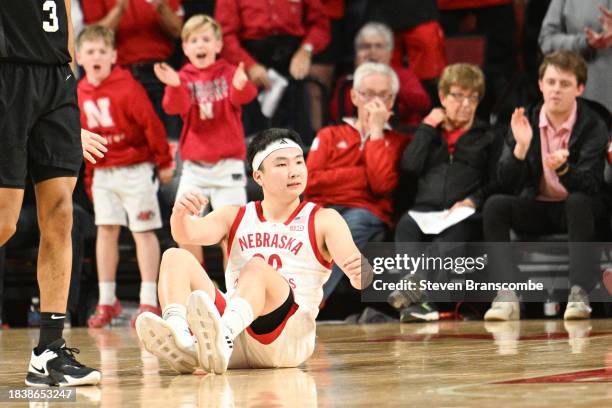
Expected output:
(449, 364)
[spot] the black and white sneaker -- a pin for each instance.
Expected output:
(419, 312)
(57, 366)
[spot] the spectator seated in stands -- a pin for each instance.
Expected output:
(374, 43)
(353, 166)
(552, 168)
(452, 159)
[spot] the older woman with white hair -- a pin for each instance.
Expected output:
(353, 166)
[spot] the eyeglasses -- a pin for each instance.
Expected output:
(472, 99)
(367, 46)
(369, 95)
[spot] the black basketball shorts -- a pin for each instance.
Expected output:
(40, 127)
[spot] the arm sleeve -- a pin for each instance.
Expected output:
(512, 172)
(243, 96)
(585, 173)
(321, 178)
(416, 153)
(177, 99)
(227, 14)
(554, 35)
(316, 24)
(144, 115)
(93, 11)
(381, 157)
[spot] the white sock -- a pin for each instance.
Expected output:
(148, 293)
(238, 315)
(107, 293)
(176, 316)
(175, 310)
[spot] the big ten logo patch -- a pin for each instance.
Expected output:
(297, 224)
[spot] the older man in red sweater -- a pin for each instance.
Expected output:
(353, 167)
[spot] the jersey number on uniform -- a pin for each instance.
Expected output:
(51, 8)
(274, 261)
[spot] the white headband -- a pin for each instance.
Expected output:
(272, 147)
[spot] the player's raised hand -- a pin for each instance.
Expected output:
(166, 74)
(93, 145)
(358, 272)
(191, 203)
(240, 77)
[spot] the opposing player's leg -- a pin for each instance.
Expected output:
(55, 156)
(52, 363)
(260, 291)
(169, 337)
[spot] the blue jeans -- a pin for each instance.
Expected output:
(363, 225)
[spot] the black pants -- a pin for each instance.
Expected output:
(450, 242)
(578, 216)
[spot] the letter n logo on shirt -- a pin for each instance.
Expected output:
(98, 113)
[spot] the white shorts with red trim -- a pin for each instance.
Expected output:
(289, 345)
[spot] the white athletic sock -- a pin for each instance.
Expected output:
(238, 315)
(148, 293)
(107, 293)
(175, 310)
(176, 316)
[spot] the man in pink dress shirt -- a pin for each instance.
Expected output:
(552, 167)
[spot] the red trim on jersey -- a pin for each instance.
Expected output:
(219, 301)
(268, 338)
(313, 239)
(294, 214)
(234, 228)
(259, 211)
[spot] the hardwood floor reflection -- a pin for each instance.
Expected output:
(454, 364)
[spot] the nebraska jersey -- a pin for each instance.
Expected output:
(34, 32)
(289, 247)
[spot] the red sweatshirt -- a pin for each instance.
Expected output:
(257, 19)
(211, 110)
(342, 172)
(413, 102)
(119, 109)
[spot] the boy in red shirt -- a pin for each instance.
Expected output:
(208, 94)
(124, 187)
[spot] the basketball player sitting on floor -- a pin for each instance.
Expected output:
(280, 252)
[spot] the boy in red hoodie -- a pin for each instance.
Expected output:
(208, 94)
(114, 105)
